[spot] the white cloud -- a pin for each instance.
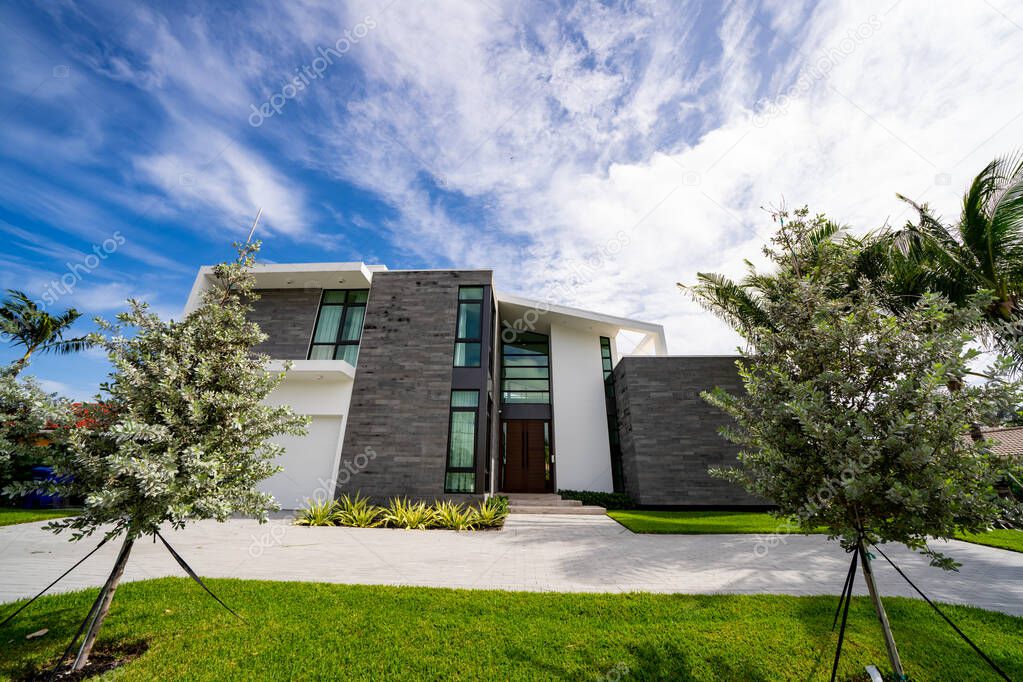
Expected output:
(542, 132)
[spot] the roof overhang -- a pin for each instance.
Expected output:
(539, 315)
(294, 276)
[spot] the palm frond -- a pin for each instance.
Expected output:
(67, 346)
(732, 302)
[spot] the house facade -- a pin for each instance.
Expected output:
(430, 384)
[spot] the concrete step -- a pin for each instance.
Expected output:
(540, 500)
(575, 510)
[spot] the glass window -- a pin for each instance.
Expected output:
(463, 439)
(339, 325)
(467, 354)
(465, 398)
(605, 360)
(322, 353)
(469, 329)
(525, 369)
(347, 352)
(469, 320)
(460, 476)
(352, 331)
(460, 482)
(328, 324)
(527, 372)
(334, 296)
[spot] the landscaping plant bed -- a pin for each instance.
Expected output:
(359, 512)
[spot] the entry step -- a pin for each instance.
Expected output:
(546, 503)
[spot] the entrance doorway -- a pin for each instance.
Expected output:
(527, 458)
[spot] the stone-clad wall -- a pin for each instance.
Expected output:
(669, 433)
(287, 316)
(400, 401)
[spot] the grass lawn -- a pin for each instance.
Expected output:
(700, 522)
(319, 631)
(9, 516)
(1004, 539)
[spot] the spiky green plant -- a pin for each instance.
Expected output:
(491, 513)
(404, 513)
(358, 512)
(318, 512)
(453, 516)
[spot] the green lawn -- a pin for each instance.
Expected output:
(318, 631)
(700, 522)
(1005, 539)
(9, 516)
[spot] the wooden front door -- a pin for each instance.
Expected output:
(527, 457)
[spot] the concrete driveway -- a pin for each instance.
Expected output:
(535, 553)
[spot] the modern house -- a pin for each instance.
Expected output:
(430, 384)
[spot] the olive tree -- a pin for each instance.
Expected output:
(856, 419)
(27, 413)
(187, 435)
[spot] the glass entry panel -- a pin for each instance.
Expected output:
(526, 456)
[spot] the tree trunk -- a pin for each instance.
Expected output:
(103, 605)
(875, 596)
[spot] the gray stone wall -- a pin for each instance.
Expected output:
(669, 433)
(400, 400)
(287, 316)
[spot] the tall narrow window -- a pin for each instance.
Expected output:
(469, 333)
(617, 478)
(605, 360)
(526, 369)
(339, 325)
(461, 466)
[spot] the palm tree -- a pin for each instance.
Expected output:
(743, 304)
(25, 324)
(983, 251)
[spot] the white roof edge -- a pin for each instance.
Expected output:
(623, 322)
(205, 271)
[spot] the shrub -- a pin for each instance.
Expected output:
(404, 513)
(491, 513)
(358, 512)
(318, 512)
(453, 516)
(605, 500)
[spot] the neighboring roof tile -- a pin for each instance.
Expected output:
(1008, 439)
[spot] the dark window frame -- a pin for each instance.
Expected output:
(345, 306)
(505, 367)
(448, 469)
(478, 340)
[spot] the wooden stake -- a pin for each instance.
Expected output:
(875, 596)
(109, 588)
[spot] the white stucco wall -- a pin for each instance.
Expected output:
(310, 462)
(581, 448)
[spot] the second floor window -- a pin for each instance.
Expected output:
(469, 334)
(526, 369)
(339, 325)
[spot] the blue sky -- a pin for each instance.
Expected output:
(601, 151)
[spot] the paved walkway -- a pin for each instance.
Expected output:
(535, 553)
